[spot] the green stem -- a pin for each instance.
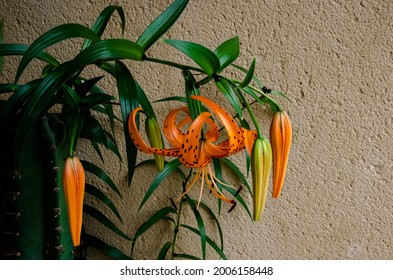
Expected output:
(264, 95)
(173, 64)
(251, 113)
(176, 230)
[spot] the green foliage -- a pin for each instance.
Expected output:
(43, 119)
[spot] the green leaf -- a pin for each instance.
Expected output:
(90, 167)
(109, 250)
(96, 98)
(93, 212)
(128, 96)
(19, 49)
(230, 93)
(164, 251)
(201, 225)
(211, 213)
(249, 76)
(237, 171)
(228, 52)
(102, 21)
(255, 78)
(208, 240)
(194, 106)
(172, 98)
(187, 256)
(152, 220)
(43, 98)
(161, 24)
(201, 55)
(218, 173)
(71, 97)
(94, 191)
(168, 169)
(110, 49)
(16, 100)
(52, 37)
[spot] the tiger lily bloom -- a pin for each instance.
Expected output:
(74, 190)
(280, 138)
(195, 147)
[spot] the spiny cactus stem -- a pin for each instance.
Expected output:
(59, 243)
(12, 234)
(17, 254)
(15, 215)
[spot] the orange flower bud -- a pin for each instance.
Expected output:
(261, 163)
(280, 138)
(74, 189)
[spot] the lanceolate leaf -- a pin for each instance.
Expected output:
(44, 96)
(201, 225)
(172, 98)
(100, 174)
(94, 191)
(186, 256)
(168, 169)
(249, 76)
(128, 96)
(218, 172)
(91, 211)
(102, 21)
(194, 106)
(19, 49)
(255, 78)
(164, 251)
(230, 93)
(160, 214)
(228, 52)
(109, 250)
(9, 87)
(16, 100)
(211, 213)
(208, 240)
(202, 56)
(161, 24)
(52, 37)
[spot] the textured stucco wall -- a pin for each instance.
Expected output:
(334, 59)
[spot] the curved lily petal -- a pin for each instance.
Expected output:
(235, 135)
(138, 141)
(172, 132)
(190, 152)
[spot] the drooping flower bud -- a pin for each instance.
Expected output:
(261, 163)
(155, 138)
(280, 138)
(74, 190)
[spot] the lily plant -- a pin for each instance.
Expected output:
(45, 183)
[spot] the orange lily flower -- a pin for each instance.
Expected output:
(196, 148)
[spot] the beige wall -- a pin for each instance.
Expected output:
(334, 59)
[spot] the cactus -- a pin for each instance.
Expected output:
(40, 226)
(58, 240)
